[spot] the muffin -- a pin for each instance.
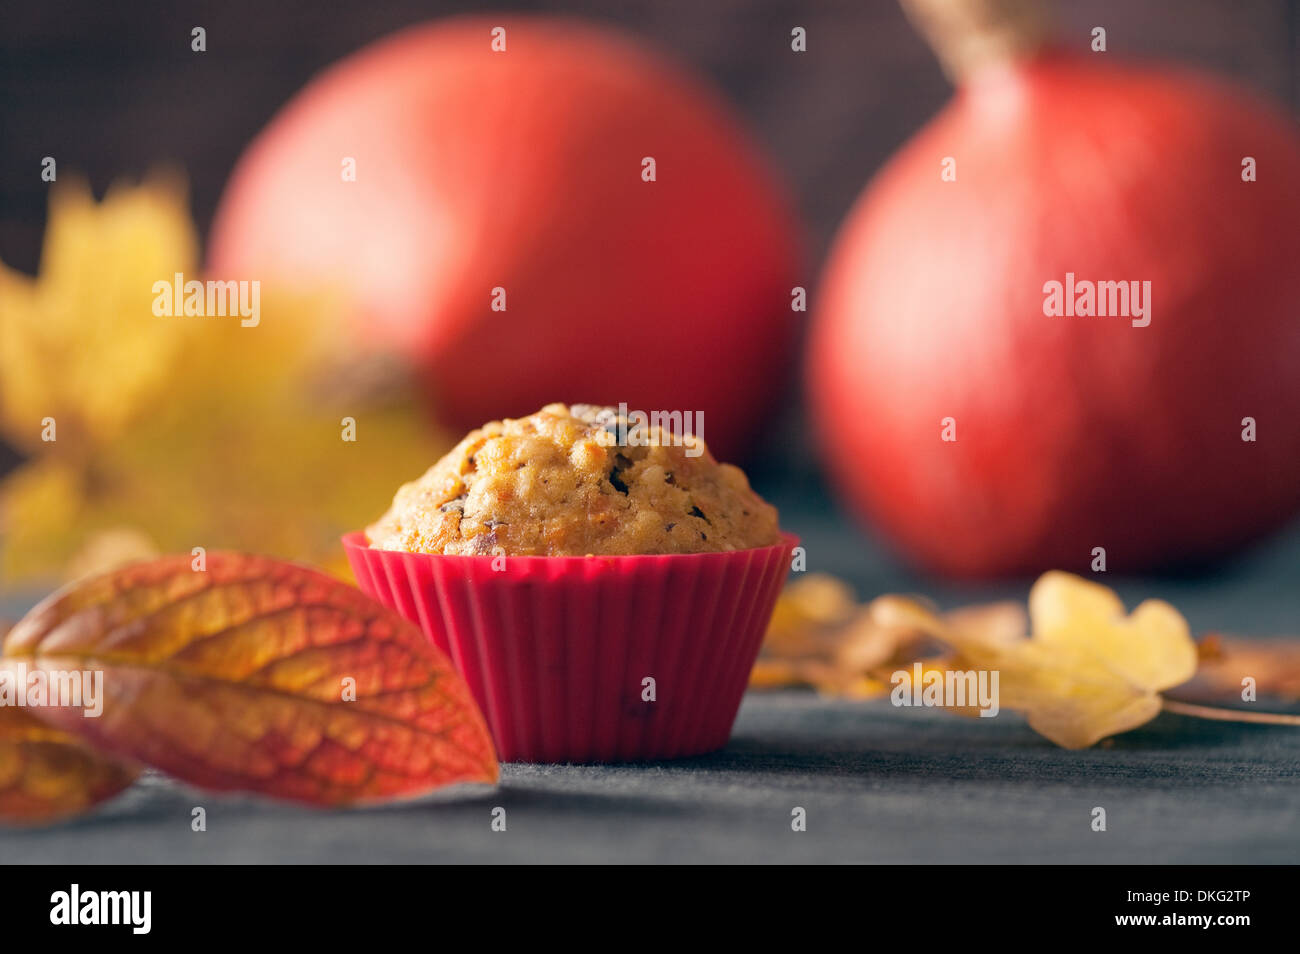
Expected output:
(602, 585)
(576, 481)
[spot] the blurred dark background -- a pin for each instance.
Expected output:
(112, 89)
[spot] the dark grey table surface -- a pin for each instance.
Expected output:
(878, 784)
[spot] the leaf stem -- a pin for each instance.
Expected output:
(1229, 715)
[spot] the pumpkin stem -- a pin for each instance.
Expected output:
(967, 35)
(1229, 715)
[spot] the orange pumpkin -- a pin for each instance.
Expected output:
(985, 434)
(506, 230)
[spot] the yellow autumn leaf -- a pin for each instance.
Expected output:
(81, 344)
(805, 608)
(1153, 647)
(42, 503)
(177, 432)
(1087, 671)
(820, 636)
(1070, 696)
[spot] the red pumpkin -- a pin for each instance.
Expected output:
(1071, 433)
(478, 169)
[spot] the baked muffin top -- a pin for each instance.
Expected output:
(572, 481)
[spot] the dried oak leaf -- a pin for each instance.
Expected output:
(259, 675)
(1087, 671)
(902, 680)
(807, 609)
(47, 775)
(821, 637)
(1273, 663)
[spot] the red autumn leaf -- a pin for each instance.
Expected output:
(46, 774)
(259, 675)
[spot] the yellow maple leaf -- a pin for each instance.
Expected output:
(1085, 672)
(1152, 647)
(75, 345)
(177, 432)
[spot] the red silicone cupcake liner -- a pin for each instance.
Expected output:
(556, 650)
